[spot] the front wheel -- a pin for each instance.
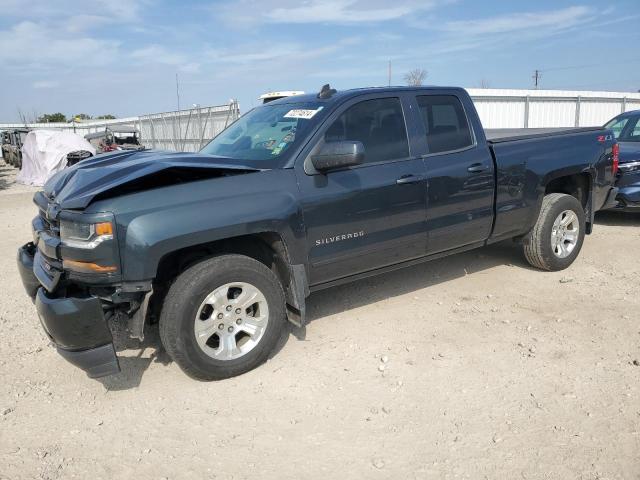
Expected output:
(222, 317)
(558, 235)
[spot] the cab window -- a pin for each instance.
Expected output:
(378, 124)
(445, 123)
(617, 125)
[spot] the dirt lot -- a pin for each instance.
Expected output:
(490, 369)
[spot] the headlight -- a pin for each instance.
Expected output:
(85, 235)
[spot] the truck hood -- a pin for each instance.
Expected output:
(629, 152)
(125, 171)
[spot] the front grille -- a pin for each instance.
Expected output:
(52, 227)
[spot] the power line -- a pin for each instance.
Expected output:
(537, 74)
(573, 67)
(591, 65)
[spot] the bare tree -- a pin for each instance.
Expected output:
(415, 77)
(26, 118)
(484, 83)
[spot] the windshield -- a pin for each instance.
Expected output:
(267, 135)
(625, 129)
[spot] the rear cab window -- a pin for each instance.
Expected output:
(626, 129)
(378, 124)
(445, 122)
(617, 125)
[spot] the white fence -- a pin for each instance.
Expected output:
(189, 130)
(183, 130)
(549, 108)
(186, 130)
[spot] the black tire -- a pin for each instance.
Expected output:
(177, 331)
(539, 250)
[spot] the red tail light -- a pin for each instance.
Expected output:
(615, 153)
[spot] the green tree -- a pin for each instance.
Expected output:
(82, 116)
(106, 117)
(52, 117)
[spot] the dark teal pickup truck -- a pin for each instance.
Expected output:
(221, 247)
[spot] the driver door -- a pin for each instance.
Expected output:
(371, 215)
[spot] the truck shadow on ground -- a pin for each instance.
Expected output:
(136, 357)
(404, 281)
(615, 218)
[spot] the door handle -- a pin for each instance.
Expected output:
(477, 168)
(408, 179)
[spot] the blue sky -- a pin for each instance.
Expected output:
(121, 56)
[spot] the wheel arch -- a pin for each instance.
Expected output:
(577, 184)
(267, 247)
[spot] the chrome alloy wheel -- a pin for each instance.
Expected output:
(565, 233)
(231, 321)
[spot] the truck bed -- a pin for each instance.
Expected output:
(527, 158)
(500, 135)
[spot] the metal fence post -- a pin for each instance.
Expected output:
(204, 128)
(578, 102)
(173, 136)
(186, 133)
(526, 111)
(200, 129)
(624, 104)
(153, 133)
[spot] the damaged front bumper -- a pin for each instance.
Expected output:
(76, 325)
(79, 330)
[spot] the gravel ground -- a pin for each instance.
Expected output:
(474, 366)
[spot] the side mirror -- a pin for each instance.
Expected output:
(333, 155)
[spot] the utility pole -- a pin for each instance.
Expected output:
(536, 78)
(389, 72)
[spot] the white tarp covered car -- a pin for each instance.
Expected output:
(44, 153)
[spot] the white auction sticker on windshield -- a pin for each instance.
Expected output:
(301, 113)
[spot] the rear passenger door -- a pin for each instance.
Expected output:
(460, 175)
(371, 215)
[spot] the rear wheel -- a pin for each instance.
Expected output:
(558, 235)
(223, 317)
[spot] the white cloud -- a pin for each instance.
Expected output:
(62, 33)
(556, 20)
(157, 54)
(191, 67)
(287, 52)
(388, 37)
(251, 54)
(81, 23)
(45, 84)
(43, 10)
(492, 33)
(319, 11)
(30, 43)
(119, 10)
